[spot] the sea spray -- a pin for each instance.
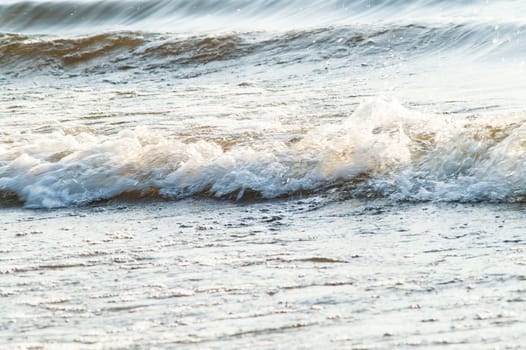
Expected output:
(382, 146)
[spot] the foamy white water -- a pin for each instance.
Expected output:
(382, 148)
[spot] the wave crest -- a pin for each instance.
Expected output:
(382, 149)
(364, 46)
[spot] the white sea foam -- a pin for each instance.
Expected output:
(382, 147)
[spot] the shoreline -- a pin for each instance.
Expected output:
(203, 273)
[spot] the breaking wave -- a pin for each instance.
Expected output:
(381, 150)
(371, 45)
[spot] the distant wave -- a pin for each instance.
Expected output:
(114, 51)
(77, 37)
(206, 16)
(382, 150)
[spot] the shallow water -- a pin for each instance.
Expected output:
(262, 174)
(287, 274)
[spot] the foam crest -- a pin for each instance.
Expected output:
(382, 148)
(467, 162)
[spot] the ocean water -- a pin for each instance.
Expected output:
(262, 174)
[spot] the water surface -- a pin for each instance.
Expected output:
(263, 174)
